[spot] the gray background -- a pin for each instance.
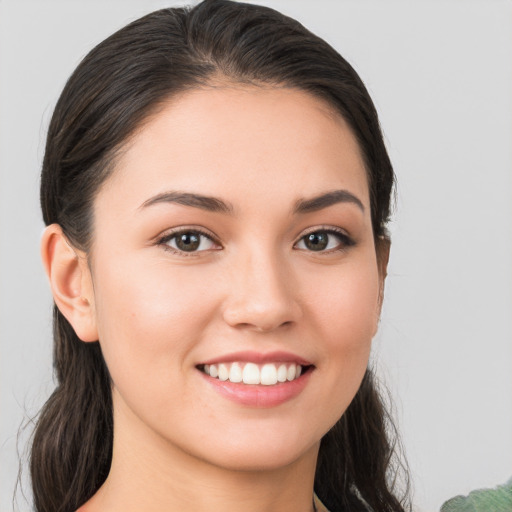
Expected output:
(440, 73)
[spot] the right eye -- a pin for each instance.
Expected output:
(187, 241)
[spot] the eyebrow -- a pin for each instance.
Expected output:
(328, 199)
(214, 204)
(211, 204)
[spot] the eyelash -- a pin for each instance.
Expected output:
(164, 240)
(345, 240)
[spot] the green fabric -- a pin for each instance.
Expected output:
(482, 500)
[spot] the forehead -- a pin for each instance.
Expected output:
(250, 140)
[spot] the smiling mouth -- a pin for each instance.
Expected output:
(268, 374)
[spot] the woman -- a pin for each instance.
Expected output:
(216, 190)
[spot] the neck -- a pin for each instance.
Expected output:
(155, 476)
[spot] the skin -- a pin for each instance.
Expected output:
(178, 443)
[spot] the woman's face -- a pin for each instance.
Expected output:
(234, 238)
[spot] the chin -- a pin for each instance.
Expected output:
(262, 455)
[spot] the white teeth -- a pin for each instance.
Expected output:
(282, 372)
(251, 374)
(223, 372)
(268, 374)
(291, 372)
(235, 374)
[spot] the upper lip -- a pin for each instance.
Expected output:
(259, 358)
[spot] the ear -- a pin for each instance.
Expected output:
(382, 247)
(70, 281)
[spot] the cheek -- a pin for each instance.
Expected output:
(354, 322)
(346, 305)
(143, 310)
(346, 316)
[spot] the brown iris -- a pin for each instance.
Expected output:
(317, 241)
(188, 241)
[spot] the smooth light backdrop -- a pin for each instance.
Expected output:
(440, 73)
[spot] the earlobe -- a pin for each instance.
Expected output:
(70, 281)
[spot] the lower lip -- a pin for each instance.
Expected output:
(258, 395)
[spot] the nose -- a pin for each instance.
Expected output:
(262, 294)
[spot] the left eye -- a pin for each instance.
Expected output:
(188, 241)
(323, 241)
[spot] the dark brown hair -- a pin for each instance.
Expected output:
(117, 86)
